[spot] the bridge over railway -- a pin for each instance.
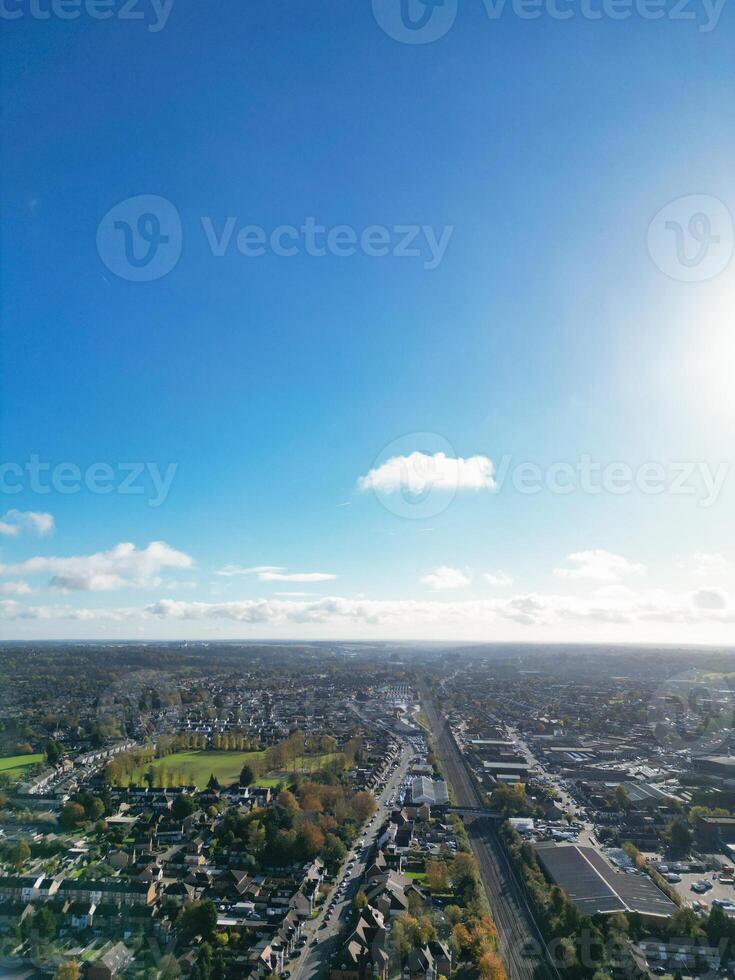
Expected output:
(475, 811)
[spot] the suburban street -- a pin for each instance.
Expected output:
(518, 934)
(313, 960)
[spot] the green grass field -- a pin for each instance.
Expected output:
(198, 766)
(19, 762)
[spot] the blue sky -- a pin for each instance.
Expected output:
(551, 327)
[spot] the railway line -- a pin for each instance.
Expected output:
(520, 940)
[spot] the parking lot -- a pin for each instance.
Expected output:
(719, 890)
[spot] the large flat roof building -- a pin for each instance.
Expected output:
(595, 887)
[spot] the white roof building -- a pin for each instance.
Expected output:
(431, 791)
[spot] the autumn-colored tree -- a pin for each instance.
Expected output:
(363, 806)
(483, 936)
(71, 816)
(436, 876)
(312, 804)
(310, 840)
(288, 801)
(461, 941)
(68, 971)
(491, 967)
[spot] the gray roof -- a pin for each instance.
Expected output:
(594, 886)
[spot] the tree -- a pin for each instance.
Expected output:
(333, 852)
(68, 971)
(719, 926)
(288, 801)
(44, 922)
(183, 806)
(622, 799)
(454, 913)
(679, 836)
(19, 854)
(360, 900)
(463, 870)
(213, 782)
(490, 966)
(54, 752)
(71, 816)
(436, 876)
(198, 919)
(363, 806)
(684, 922)
(256, 836)
(168, 967)
(247, 776)
(310, 840)
(328, 744)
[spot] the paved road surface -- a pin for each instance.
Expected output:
(516, 928)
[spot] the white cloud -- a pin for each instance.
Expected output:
(15, 521)
(530, 609)
(706, 565)
(232, 570)
(275, 573)
(15, 588)
(533, 610)
(498, 579)
(122, 566)
(445, 577)
(296, 576)
(419, 472)
(599, 566)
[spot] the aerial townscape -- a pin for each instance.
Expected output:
(357, 811)
(367, 498)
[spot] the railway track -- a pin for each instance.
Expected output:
(520, 940)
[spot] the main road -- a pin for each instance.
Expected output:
(519, 936)
(324, 935)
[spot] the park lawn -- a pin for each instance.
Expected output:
(268, 781)
(9, 762)
(198, 766)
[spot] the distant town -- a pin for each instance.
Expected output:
(350, 812)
